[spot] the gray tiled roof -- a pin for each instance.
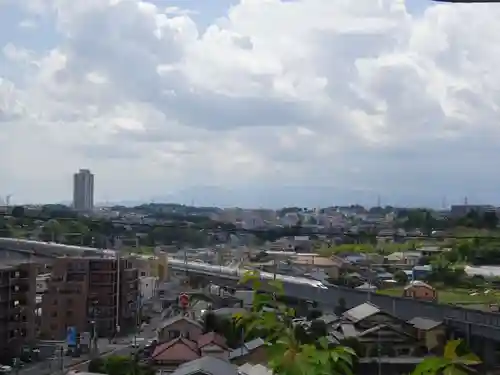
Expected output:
(176, 318)
(361, 312)
(246, 348)
(248, 369)
(329, 318)
(207, 365)
(226, 311)
(424, 324)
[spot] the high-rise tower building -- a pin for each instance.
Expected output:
(83, 190)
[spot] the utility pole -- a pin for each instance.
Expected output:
(94, 350)
(118, 289)
(379, 354)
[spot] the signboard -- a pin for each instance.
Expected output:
(71, 336)
(184, 300)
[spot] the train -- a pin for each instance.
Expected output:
(238, 273)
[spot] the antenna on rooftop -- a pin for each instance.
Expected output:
(466, 201)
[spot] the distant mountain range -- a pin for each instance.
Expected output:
(266, 197)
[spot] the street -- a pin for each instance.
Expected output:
(122, 346)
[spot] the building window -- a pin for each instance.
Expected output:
(173, 334)
(69, 313)
(143, 273)
(54, 314)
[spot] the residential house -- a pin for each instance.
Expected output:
(407, 257)
(421, 272)
(213, 344)
(428, 251)
(377, 330)
(168, 355)
(253, 351)
(431, 332)
(248, 369)
(330, 265)
(419, 290)
(206, 366)
(179, 326)
(216, 366)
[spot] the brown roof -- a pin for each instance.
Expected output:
(315, 260)
(212, 338)
(179, 349)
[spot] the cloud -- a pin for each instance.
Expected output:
(312, 95)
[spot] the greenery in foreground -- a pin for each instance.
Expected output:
(288, 356)
(288, 352)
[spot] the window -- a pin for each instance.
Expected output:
(70, 302)
(53, 327)
(173, 334)
(54, 314)
(143, 273)
(69, 314)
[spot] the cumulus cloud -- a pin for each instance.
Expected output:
(357, 97)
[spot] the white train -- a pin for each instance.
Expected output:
(238, 273)
(50, 248)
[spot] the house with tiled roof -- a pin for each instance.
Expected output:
(172, 353)
(179, 325)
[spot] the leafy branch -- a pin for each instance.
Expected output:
(274, 322)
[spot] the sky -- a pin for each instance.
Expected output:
(251, 102)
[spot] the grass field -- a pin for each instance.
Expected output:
(456, 296)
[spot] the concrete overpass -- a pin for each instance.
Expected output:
(41, 249)
(472, 323)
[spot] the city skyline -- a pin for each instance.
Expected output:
(194, 102)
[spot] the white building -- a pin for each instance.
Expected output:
(83, 190)
(147, 285)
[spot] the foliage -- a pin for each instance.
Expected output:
(452, 363)
(224, 326)
(119, 365)
(401, 277)
(59, 223)
(289, 356)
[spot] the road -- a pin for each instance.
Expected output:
(122, 346)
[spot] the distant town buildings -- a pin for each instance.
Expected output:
(83, 190)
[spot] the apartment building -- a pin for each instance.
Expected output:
(83, 190)
(17, 305)
(85, 290)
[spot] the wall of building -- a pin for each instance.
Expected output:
(147, 286)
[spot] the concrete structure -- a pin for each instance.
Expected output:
(485, 325)
(84, 289)
(17, 308)
(83, 190)
(147, 287)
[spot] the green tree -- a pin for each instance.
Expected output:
(18, 211)
(288, 356)
(401, 277)
(452, 363)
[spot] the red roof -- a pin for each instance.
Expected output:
(178, 350)
(212, 338)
